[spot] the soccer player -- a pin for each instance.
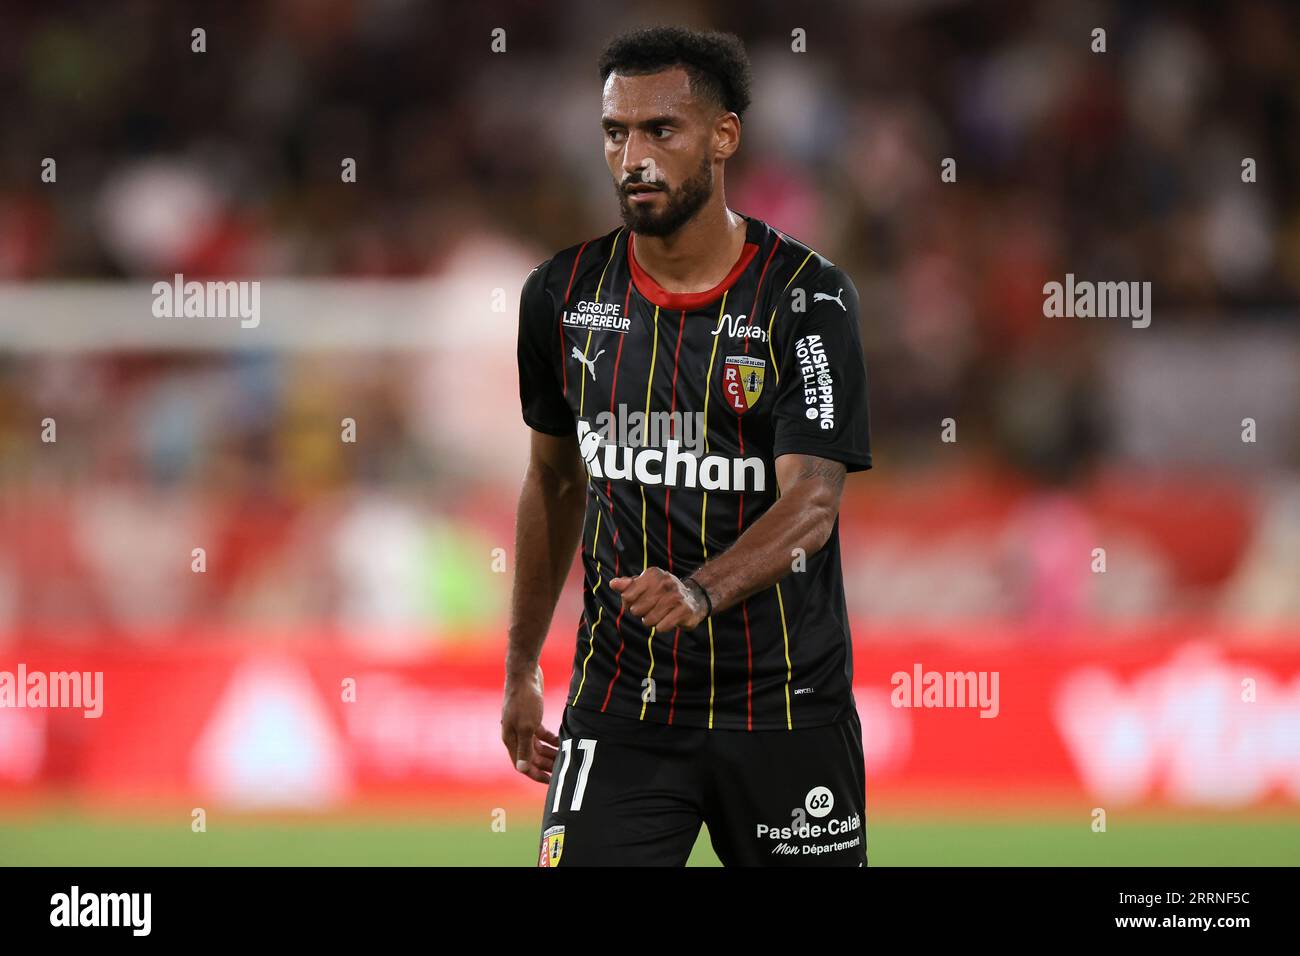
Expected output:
(695, 387)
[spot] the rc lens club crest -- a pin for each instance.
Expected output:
(742, 381)
(552, 847)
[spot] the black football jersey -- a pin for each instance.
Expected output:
(680, 404)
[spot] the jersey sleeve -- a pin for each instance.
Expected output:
(541, 395)
(821, 400)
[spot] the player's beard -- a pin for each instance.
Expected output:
(680, 205)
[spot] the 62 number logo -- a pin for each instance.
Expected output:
(819, 802)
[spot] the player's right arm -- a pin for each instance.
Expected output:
(548, 526)
(548, 523)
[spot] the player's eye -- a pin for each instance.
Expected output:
(662, 132)
(613, 135)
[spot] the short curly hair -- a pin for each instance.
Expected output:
(716, 63)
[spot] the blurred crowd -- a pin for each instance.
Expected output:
(1119, 165)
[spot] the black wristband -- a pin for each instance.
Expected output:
(707, 600)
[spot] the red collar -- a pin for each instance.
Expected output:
(686, 301)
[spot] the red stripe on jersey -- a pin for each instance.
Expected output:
(672, 407)
(759, 288)
(564, 359)
(613, 388)
(681, 326)
(740, 522)
(672, 704)
(618, 668)
(613, 391)
(749, 664)
(609, 492)
(744, 605)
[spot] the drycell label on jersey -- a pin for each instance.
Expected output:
(818, 383)
(742, 381)
(552, 847)
(672, 466)
(597, 317)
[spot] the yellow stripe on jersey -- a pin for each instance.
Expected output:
(582, 393)
(785, 640)
(649, 675)
(654, 349)
(586, 349)
(710, 621)
(645, 550)
(712, 356)
(613, 249)
(591, 628)
(704, 505)
(582, 398)
(776, 368)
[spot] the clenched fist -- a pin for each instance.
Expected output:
(663, 600)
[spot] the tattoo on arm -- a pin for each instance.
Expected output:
(823, 469)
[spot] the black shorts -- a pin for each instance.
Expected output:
(631, 793)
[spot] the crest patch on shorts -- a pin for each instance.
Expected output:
(552, 846)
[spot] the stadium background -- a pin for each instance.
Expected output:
(391, 301)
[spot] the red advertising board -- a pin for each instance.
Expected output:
(1179, 722)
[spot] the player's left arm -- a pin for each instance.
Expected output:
(821, 433)
(802, 518)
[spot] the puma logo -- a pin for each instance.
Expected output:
(589, 362)
(827, 297)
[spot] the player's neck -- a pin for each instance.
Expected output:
(697, 256)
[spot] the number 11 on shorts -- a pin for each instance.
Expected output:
(588, 747)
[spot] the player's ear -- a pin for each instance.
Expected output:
(726, 135)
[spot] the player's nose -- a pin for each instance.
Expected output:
(637, 164)
(633, 172)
